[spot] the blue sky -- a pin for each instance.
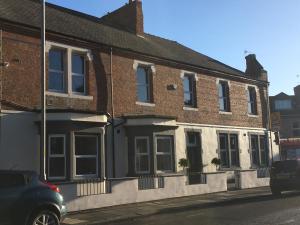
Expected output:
(224, 29)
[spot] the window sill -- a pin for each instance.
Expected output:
(253, 115)
(145, 104)
(65, 95)
(187, 108)
(225, 113)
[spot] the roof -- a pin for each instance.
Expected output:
(82, 26)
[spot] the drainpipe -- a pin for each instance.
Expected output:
(270, 141)
(112, 113)
(1, 80)
(43, 97)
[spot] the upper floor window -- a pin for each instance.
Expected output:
(78, 73)
(67, 69)
(224, 100)
(252, 105)
(283, 104)
(56, 70)
(189, 90)
(143, 84)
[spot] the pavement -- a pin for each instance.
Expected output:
(130, 212)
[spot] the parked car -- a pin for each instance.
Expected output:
(285, 175)
(26, 200)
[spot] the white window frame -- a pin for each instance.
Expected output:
(141, 154)
(57, 155)
(69, 50)
(62, 72)
(266, 150)
(86, 156)
(192, 89)
(163, 153)
(78, 74)
(147, 85)
(219, 82)
(228, 150)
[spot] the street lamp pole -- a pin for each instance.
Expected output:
(43, 97)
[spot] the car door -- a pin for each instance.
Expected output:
(11, 188)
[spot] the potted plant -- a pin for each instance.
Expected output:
(183, 162)
(216, 162)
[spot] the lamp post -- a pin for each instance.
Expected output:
(43, 97)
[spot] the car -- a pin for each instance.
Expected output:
(285, 176)
(27, 200)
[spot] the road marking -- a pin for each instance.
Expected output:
(73, 221)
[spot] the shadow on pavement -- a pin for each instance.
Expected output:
(227, 202)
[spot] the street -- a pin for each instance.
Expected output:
(261, 210)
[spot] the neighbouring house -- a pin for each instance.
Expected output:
(124, 107)
(286, 121)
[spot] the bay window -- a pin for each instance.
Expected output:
(142, 155)
(164, 151)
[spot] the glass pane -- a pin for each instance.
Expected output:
(192, 138)
(224, 159)
(296, 125)
(250, 110)
(223, 141)
(234, 158)
(188, 99)
(86, 166)
(142, 92)
(142, 145)
(57, 167)
(142, 163)
(164, 162)
(142, 78)
(233, 142)
(86, 145)
(164, 145)
(187, 84)
(221, 92)
(263, 157)
(262, 142)
(56, 81)
(57, 145)
(77, 64)
(56, 60)
(254, 146)
(222, 104)
(78, 84)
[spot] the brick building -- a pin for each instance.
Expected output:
(286, 110)
(124, 106)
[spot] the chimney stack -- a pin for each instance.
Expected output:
(128, 18)
(254, 69)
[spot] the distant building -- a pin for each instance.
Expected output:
(286, 119)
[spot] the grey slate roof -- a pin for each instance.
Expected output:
(68, 22)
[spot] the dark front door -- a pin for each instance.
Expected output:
(193, 148)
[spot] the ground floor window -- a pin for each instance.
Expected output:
(142, 155)
(57, 159)
(259, 151)
(86, 155)
(164, 151)
(229, 150)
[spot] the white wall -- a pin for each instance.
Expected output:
(19, 141)
(125, 191)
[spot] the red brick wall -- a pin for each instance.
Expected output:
(21, 80)
(170, 102)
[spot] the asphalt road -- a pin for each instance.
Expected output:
(262, 210)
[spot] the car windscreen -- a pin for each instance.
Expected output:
(11, 180)
(285, 166)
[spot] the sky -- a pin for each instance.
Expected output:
(224, 30)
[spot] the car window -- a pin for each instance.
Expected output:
(285, 166)
(11, 180)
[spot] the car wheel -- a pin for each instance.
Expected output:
(44, 217)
